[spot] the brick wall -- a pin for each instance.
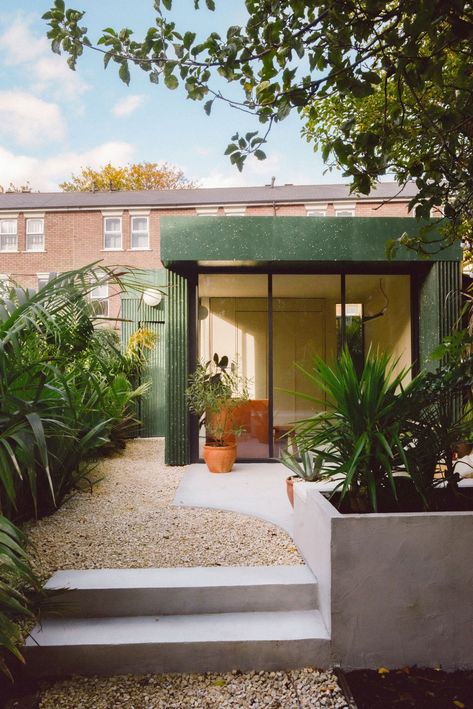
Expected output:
(75, 238)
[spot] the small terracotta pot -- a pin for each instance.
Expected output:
(220, 459)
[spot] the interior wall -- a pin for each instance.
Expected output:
(386, 299)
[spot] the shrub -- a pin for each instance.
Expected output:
(20, 592)
(65, 393)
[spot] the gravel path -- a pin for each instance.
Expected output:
(298, 689)
(128, 521)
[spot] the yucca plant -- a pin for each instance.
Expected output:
(360, 434)
(308, 467)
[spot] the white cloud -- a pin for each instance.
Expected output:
(255, 172)
(29, 120)
(48, 72)
(202, 151)
(128, 105)
(46, 174)
(284, 168)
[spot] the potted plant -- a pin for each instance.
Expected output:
(215, 391)
(308, 468)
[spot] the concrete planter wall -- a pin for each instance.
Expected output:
(395, 589)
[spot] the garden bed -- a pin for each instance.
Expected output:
(441, 500)
(411, 687)
(127, 520)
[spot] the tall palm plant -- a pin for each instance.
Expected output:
(360, 434)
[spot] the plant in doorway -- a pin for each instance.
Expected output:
(215, 391)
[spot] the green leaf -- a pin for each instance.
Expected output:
(231, 148)
(167, 4)
(171, 81)
(124, 73)
(260, 155)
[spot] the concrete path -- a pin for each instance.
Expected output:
(255, 489)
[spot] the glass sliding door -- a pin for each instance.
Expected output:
(272, 327)
(233, 321)
(304, 318)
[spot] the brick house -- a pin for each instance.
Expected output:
(303, 273)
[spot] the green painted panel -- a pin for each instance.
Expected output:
(177, 450)
(276, 239)
(135, 313)
(439, 308)
(152, 406)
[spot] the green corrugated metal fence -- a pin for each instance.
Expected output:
(135, 314)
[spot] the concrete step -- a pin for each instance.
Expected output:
(99, 593)
(181, 643)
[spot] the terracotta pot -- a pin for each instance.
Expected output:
(220, 459)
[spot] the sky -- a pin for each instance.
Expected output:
(54, 121)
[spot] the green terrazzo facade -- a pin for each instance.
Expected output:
(289, 244)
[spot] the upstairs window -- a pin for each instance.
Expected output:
(345, 210)
(316, 209)
(112, 233)
(99, 298)
(8, 235)
(207, 211)
(140, 232)
(234, 211)
(35, 234)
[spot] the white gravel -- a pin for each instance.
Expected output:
(296, 689)
(128, 521)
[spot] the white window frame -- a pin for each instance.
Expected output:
(34, 233)
(112, 233)
(139, 232)
(345, 210)
(235, 211)
(316, 210)
(207, 211)
(2, 234)
(100, 294)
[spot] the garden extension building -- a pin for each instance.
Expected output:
(270, 276)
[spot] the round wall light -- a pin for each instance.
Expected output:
(152, 297)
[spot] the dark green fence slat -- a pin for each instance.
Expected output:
(177, 417)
